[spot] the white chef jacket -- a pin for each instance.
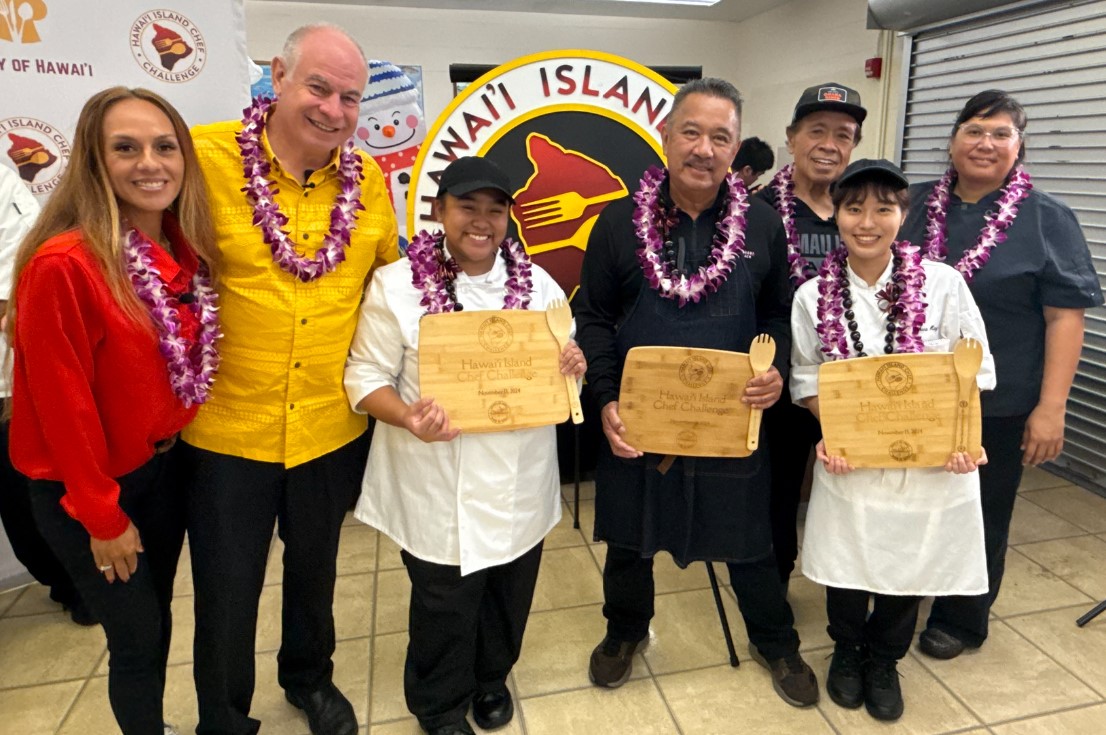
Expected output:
(479, 500)
(894, 531)
(18, 211)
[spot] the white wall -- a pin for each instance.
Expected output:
(771, 57)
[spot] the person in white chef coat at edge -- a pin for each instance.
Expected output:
(885, 536)
(470, 511)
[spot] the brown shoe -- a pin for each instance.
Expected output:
(612, 661)
(792, 679)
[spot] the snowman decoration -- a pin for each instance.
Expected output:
(390, 128)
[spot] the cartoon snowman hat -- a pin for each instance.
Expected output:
(388, 86)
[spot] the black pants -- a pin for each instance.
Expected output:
(886, 633)
(791, 431)
(30, 548)
(628, 593)
(135, 614)
(966, 617)
(233, 506)
(466, 633)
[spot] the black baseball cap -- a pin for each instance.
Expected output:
(470, 173)
(830, 96)
(874, 168)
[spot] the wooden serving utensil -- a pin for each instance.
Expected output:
(967, 356)
(558, 316)
(761, 353)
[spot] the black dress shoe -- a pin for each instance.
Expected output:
(939, 644)
(80, 614)
(328, 711)
(454, 728)
(493, 710)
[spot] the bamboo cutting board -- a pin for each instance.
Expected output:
(686, 402)
(894, 411)
(492, 370)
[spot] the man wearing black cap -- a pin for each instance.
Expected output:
(822, 135)
(469, 510)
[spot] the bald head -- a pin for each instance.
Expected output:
(292, 45)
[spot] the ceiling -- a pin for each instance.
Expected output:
(726, 10)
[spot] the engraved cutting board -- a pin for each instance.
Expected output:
(492, 370)
(685, 401)
(894, 411)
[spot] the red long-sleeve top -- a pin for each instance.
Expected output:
(90, 390)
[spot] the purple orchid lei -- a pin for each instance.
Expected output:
(433, 274)
(995, 223)
(261, 193)
(191, 366)
(651, 221)
(905, 297)
(799, 267)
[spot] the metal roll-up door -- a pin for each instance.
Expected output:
(1052, 58)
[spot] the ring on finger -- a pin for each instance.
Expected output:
(106, 567)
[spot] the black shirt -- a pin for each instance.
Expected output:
(1044, 261)
(817, 237)
(612, 277)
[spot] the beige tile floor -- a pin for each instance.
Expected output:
(1038, 674)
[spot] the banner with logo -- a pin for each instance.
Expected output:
(54, 54)
(574, 131)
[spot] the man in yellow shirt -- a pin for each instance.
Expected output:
(299, 234)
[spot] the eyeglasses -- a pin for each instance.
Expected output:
(999, 136)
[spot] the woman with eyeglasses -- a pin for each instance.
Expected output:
(1028, 266)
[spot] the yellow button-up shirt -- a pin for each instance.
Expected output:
(278, 395)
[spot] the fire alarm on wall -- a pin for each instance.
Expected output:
(873, 67)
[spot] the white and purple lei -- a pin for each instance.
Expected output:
(995, 223)
(432, 274)
(906, 310)
(261, 193)
(191, 366)
(651, 221)
(783, 183)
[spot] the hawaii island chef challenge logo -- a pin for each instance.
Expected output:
(38, 150)
(574, 130)
(168, 46)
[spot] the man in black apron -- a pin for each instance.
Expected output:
(694, 262)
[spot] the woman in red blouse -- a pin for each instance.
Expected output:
(113, 328)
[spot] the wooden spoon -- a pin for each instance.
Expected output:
(967, 356)
(761, 353)
(558, 316)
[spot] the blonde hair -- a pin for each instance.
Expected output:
(84, 200)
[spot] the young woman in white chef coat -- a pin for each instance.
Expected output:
(889, 536)
(469, 511)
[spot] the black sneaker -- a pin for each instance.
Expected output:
(612, 661)
(936, 643)
(882, 694)
(792, 679)
(845, 682)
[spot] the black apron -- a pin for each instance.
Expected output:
(702, 509)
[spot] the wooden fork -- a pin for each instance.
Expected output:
(761, 353)
(967, 356)
(558, 316)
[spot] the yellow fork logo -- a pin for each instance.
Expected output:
(18, 19)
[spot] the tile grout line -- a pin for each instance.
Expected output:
(80, 691)
(1050, 657)
(920, 658)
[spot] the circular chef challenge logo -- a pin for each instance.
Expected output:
(499, 412)
(36, 149)
(496, 334)
(574, 131)
(696, 371)
(901, 451)
(168, 46)
(894, 378)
